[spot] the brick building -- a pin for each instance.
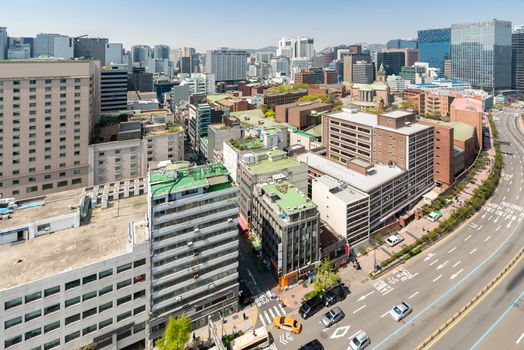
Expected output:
(300, 114)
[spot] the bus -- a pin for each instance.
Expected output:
(256, 339)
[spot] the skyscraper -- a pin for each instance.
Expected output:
(141, 55)
(517, 60)
(402, 44)
(286, 48)
(91, 48)
(53, 45)
(161, 51)
(3, 43)
(392, 61)
(304, 48)
(481, 54)
(227, 64)
(434, 46)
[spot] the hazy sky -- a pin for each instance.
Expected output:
(205, 24)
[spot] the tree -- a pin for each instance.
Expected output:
(176, 334)
(326, 275)
(269, 113)
(263, 107)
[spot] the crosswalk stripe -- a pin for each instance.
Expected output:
(272, 314)
(281, 309)
(268, 318)
(263, 320)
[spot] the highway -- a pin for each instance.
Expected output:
(439, 281)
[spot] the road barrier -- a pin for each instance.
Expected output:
(471, 302)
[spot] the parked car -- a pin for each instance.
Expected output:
(400, 311)
(287, 323)
(332, 316)
(244, 294)
(335, 294)
(311, 307)
(434, 216)
(393, 240)
(312, 345)
(359, 341)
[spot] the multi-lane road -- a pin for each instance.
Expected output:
(438, 282)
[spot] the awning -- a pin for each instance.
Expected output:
(242, 222)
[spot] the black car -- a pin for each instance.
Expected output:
(310, 307)
(312, 345)
(335, 294)
(244, 294)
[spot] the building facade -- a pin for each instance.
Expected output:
(434, 46)
(391, 61)
(517, 61)
(53, 45)
(113, 88)
(227, 64)
(363, 72)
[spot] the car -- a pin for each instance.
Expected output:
(335, 294)
(332, 316)
(311, 307)
(393, 240)
(245, 295)
(359, 341)
(400, 311)
(434, 216)
(287, 323)
(312, 345)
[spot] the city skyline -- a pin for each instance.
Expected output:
(287, 19)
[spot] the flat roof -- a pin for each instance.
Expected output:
(396, 114)
(356, 117)
(346, 195)
(268, 165)
(290, 199)
(462, 131)
(104, 237)
(407, 130)
(366, 183)
(256, 118)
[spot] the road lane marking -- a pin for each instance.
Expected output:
(456, 274)
(508, 225)
(498, 228)
(353, 336)
(436, 279)
(468, 237)
(480, 227)
(433, 262)
(487, 239)
(520, 338)
(430, 255)
(281, 309)
(360, 308)
(365, 296)
(489, 219)
(413, 295)
(452, 250)
(496, 219)
(325, 329)
(457, 263)
(442, 265)
(386, 313)
(473, 251)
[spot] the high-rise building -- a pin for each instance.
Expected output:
(140, 80)
(349, 60)
(53, 45)
(113, 88)
(186, 52)
(161, 52)
(19, 52)
(410, 55)
(434, 46)
(363, 72)
(286, 48)
(195, 209)
(200, 83)
(402, 44)
(263, 57)
(91, 48)
(141, 55)
(114, 54)
(391, 61)
(304, 48)
(227, 65)
(517, 61)
(48, 110)
(3, 43)
(280, 65)
(481, 54)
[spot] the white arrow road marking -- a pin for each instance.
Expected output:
(520, 338)
(436, 279)
(468, 237)
(456, 274)
(457, 263)
(442, 265)
(473, 251)
(325, 329)
(430, 255)
(386, 313)
(498, 228)
(433, 262)
(413, 295)
(365, 296)
(452, 250)
(487, 239)
(360, 308)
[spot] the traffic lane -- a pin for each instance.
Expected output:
(508, 334)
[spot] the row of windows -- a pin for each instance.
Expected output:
(47, 81)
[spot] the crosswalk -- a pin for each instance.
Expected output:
(267, 316)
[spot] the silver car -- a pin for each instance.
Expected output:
(332, 316)
(400, 311)
(359, 341)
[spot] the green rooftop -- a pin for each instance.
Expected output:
(288, 198)
(256, 118)
(174, 178)
(462, 131)
(303, 133)
(272, 161)
(247, 144)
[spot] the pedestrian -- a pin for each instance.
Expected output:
(244, 316)
(194, 336)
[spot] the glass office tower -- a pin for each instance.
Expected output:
(434, 46)
(481, 54)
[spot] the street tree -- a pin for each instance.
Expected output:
(326, 275)
(176, 334)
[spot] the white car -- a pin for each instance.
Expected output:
(434, 216)
(400, 311)
(359, 341)
(393, 240)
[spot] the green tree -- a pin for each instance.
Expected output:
(326, 275)
(176, 334)
(269, 113)
(314, 97)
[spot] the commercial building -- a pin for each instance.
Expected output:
(363, 72)
(304, 48)
(79, 278)
(141, 56)
(481, 54)
(200, 117)
(517, 61)
(19, 52)
(391, 61)
(3, 43)
(468, 111)
(48, 108)
(254, 167)
(228, 65)
(200, 83)
(91, 48)
(330, 76)
(113, 88)
(286, 48)
(194, 244)
(273, 99)
(301, 115)
(53, 45)
(402, 44)
(114, 54)
(287, 222)
(161, 52)
(140, 80)
(218, 134)
(397, 84)
(434, 46)
(280, 65)
(349, 61)
(410, 55)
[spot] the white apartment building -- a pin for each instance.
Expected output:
(73, 283)
(397, 84)
(304, 48)
(200, 83)
(227, 64)
(47, 108)
(193, 223)
(53, 45)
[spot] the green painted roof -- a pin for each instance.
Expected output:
(462, 131)
(268, 165)
(175, 179)
(256, 118)
(303, 133)
(290, 199)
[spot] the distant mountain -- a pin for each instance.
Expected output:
(266, 49)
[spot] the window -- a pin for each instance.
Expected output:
(51, 291)
(105, 273)
(52, 344)
(51, 309)
(76, 181)
(72, 301)
(74, 283)
(124, 267)
(89, 279)
(123, 316)
(72, 319)
(72, 336)
(12, 341)
(105, 290)
(12, 322)
(51, 326)
(47, 186)
(105, 323)
(139, 310)
(89, 295)
(139, 294)
(62, 184)
(89, 312)
(32, 315)
(123, 284)
(138, 263)
(34, 333)
(12, 303)
(139, 278)
(89, 329)
(123, 300)
(105, 306)
(33, 296)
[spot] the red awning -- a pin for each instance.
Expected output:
(242, 222)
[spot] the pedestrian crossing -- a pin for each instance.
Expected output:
(268, 315)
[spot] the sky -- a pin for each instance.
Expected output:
(249, 24)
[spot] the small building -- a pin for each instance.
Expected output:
(300, 115)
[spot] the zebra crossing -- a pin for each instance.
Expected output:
(268, 315)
